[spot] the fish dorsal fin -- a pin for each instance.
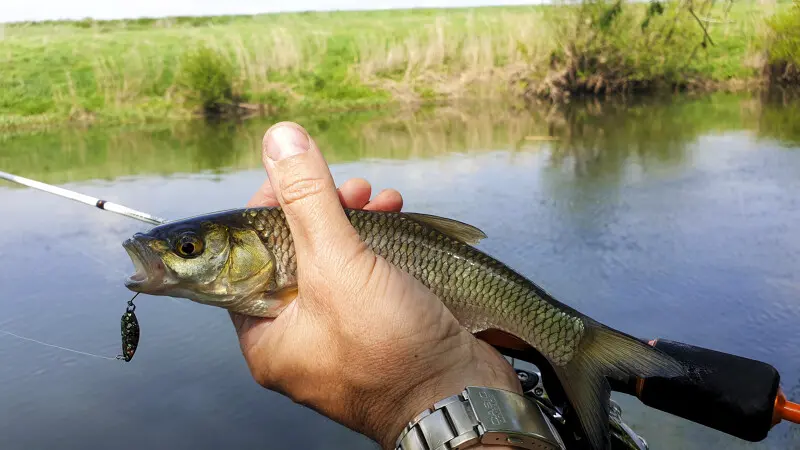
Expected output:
(457, 230)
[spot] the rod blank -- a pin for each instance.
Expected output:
(82, 198)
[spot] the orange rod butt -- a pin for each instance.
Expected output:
(785, 410)
(791, 412)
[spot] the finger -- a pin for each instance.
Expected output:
(264, 196)
(305, 190)
(354, 193)
(386, 200)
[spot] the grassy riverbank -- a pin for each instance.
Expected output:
(150, 70)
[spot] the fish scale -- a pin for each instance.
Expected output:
(467, 281)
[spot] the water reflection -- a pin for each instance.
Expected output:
(593, 138)
(778, 117)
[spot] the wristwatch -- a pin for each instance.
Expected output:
(480, 415)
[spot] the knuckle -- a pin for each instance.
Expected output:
(294, 190)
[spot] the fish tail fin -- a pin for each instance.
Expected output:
(605, 352)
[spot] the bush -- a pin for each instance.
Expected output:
(206, 78)
(615, 47)
(783, 47)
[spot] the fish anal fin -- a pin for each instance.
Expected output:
(607, 353)
(457, 230)
(588, 392)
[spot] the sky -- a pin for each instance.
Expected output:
(21, 10)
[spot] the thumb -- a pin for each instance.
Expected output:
(307, 194)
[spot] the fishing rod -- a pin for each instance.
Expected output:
(735, 395)
(105, 205)
(738, 396)
(129, 323)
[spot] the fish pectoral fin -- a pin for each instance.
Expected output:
(268, 304)
(285, 295)
(457, 230)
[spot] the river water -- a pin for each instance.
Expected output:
(677, 219)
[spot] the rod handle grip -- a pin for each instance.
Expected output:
(722, 391)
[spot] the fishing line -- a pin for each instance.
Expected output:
(55, 346)
(129, 324)
(92, 257)
(103, 263)
(129, 329)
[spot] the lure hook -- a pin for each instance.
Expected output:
(129, 322)
(129, 329)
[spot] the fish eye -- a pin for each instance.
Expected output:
(189, 245)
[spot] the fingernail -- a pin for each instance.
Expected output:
(284, 141)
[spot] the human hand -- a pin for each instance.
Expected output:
(364, 343)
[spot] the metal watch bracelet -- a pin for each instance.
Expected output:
(480, 415)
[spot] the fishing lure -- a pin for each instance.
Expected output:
(129, 324)
(129, 329)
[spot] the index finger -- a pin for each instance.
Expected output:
(353, 193)
(264, 196)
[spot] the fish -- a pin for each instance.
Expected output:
(243, 260)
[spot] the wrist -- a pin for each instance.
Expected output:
(481, 365)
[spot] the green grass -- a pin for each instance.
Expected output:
(784, 37)
(782, 46)
(134, 71)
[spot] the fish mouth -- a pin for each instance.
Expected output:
(149, 270)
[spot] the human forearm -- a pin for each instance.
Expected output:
(473, 364)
